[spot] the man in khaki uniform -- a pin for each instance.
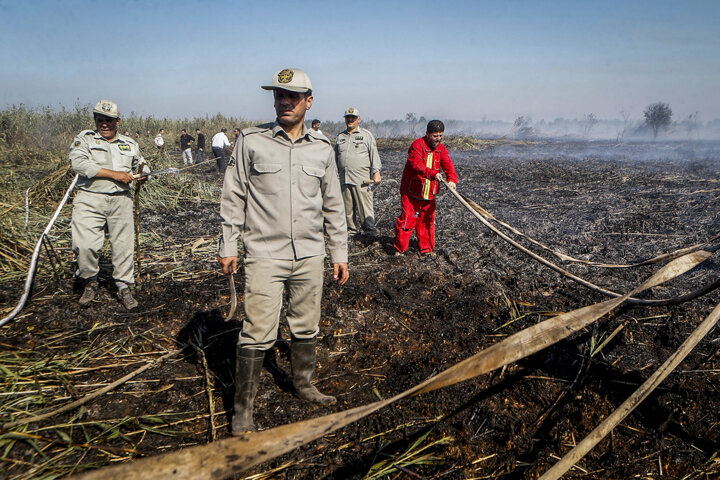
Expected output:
(280, 193)
(105, 161)
(359, 168)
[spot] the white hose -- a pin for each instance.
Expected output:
(36, 253)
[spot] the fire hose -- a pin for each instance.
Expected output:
(632, 300)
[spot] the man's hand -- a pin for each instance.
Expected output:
(139, 180)
(439, 177)
(124, 177)
(376, 178)
(341, 272)
(452, 185)
(229, 264)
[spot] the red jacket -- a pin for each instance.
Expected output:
(418, 177)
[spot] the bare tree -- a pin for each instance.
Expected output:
(523, 128)
(626, 124)
(590, 120)
(691, 124)
(411, 118)
(658, 116)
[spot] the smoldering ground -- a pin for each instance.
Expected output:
(400, 320)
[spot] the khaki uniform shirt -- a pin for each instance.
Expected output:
(357, 156)
(90, 152)
(279, 194)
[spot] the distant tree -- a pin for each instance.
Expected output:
(691, 124)
(658, 116)
(590, 120)
(523, 129)
(626, 124)
(411, 118)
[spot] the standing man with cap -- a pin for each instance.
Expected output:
(359, 169)
(105, 161)
(281, 192)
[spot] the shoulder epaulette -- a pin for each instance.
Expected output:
(127, 139)
(87, 132)
(260, 128)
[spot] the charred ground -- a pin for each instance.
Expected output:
(401, 319)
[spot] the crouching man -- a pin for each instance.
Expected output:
(281, 190)
(105, 161)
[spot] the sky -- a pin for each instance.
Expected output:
(461, 60)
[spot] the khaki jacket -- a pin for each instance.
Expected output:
(90, 152)
(280, 196)
(357, 156)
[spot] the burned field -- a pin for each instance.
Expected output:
(399, 320)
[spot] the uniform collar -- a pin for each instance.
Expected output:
(278, 130)
(100, 137)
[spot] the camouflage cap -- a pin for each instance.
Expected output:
(352, 112)
(292, 79)
(107, 108)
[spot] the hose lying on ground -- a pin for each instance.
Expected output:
(632, 300)
(233, 455)
(36, 253)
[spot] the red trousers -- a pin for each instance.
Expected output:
(416, 215)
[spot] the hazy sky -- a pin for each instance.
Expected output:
(448, 59)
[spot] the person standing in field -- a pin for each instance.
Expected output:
(281, 193)
(105, 162)
(236, 131)
(219, 142)
(427, 159)
(200, 145)
(186, 141)
(315, 125)
(159, 140)
(359, 169)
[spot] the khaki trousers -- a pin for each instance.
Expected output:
(358, 201)
(265, 281)
(92, 213)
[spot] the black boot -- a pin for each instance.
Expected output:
(247, 376)
(303, 367)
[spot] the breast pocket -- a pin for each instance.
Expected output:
(360, 147)
(266, 177)
(123, 162)
(310, 180)
(102, 157)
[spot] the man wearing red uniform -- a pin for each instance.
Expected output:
(427, 159)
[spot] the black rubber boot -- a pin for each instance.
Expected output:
(247, 376)
(303, 368)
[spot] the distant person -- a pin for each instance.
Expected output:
(219, 142)
(137, 134)
(315, 125)
(236, 131)
(159, 140)
(427, 159)
(359, 166)
(186, 141)
(200, 145)
(281, 196)
(105, 162)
